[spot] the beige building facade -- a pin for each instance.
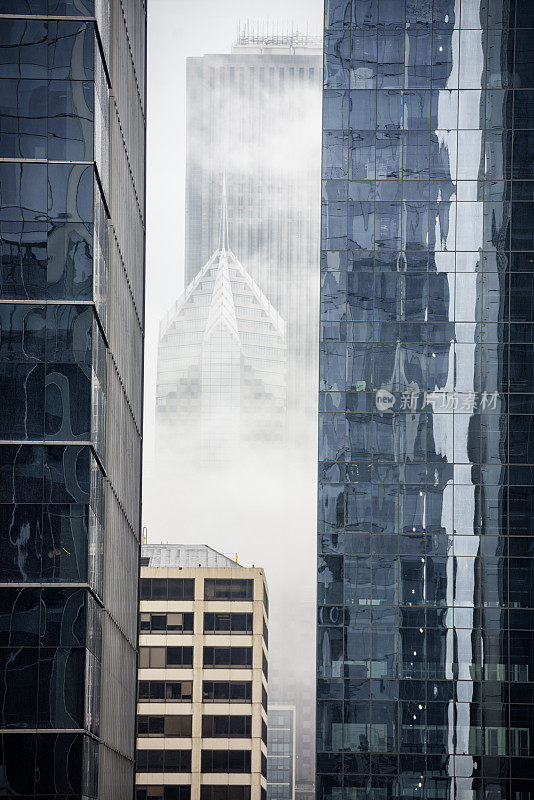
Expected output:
(202, 709)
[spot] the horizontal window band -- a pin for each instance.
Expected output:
(43, 160)
(52, 585)
(46, 442)
(48, 302)
(47, 18)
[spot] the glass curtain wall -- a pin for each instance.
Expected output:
(69, 507)
(425, 659)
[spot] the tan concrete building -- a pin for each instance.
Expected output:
(202, 710)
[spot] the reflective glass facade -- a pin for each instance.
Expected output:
(426, 539)
(71, 310)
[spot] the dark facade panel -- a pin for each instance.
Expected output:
(69, 507)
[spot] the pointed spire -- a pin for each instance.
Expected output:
(223, 228)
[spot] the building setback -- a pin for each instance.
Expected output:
(71, 314)
(426, 582)
(202, 701)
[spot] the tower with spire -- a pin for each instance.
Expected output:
(221, 380)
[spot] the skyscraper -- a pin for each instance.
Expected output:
(71, 316)
(426, 601)
(254, 114)
(221, 363)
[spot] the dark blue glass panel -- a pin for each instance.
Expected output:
(391, 14)
(23, 260)
(336, 106)
(61, 678)
(22, 410)
(71, 50)
(363, 62)
(338, 13)
(365, 13)
(58, 763)
(69, 334)
(24, 47)
(71, 8)
(20, 543)
(389, 110)
(63, 617)
(363, 109)
(66, 474)
(337, 58)
(23, 191)
(18, 687)
(23, 118)
(65, 543)
(524, 59)
(70, 192)
(22, 329)
(19, 617)
(335, 155)
(70, 262)
(418, 13)
(390, 68)
(70, 120)
(21, 473)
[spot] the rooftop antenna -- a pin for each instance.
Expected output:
(223, 229)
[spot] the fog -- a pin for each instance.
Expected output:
(260, 502)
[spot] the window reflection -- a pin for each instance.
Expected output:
(424, 511)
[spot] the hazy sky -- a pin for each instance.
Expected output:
(178, 29)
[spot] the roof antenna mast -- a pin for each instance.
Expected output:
(223, 227)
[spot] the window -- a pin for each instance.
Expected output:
(224, 793)
(265, 666)
(227, 657)
(265, 600)
(179, 690)
(168, 725)
(179, 656)
(166, 690)
(161, 657)
(265, 633)
(225, 761)
(164, 760)
(221, 622)
(228, 589)
(264, 698)
(264, 765)
(167, 589)
(264, 731)
(227, 691)
(163, 793)
(166, 623)
(228, 726)
(151, 657)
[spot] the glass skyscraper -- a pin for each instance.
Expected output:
(426, 534)
(71, 315)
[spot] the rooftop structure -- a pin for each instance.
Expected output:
(266, 37)
(221, 360)
(184, 555)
